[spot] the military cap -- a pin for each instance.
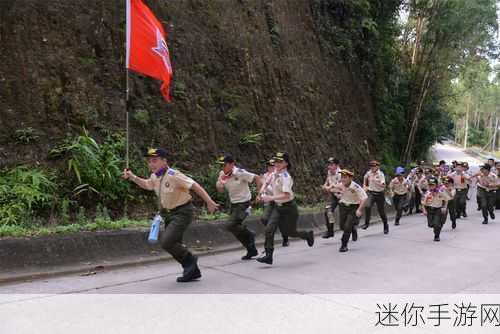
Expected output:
(281, 156)
(485, 166)
(432, 181)
(447, 179)
(333, 160)
(225, 159)
(374, 163)
(346, 172)
(156, 152)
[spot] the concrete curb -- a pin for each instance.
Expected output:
(90, 252)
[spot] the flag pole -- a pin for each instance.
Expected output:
(127, 95)
(127, 135)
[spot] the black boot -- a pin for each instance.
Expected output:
(386, 228)
(354, 234)
(329, 232)
(191, 270)
(492, 215)
(436, 238)
(453, 224)
(251, 252)
(343, 247)
(365, 226)
(268, 258)
(397, 222)
(285, 242)
(310, 238)
(485, 221)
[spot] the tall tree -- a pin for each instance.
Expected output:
(439, 37)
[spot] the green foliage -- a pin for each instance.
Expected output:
(65, 217)
(208, 178)
(273, 28)
(16, 231)
(233, 115)
(330, 119)
(95, 169)
(219, 215)
(25, 193)
(81, 217)
(254, 139)
(25, 136)
(180, 90)
(350, 30)
(142, 117)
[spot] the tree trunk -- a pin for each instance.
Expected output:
(418, 36)
(466, 122)
(494, 143)
(407, 155)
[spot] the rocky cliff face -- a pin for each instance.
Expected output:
(251, 77)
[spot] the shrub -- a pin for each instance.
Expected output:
(25, 193)
(95, 169)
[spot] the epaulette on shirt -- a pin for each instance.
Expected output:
(171, 172)
(285, 174)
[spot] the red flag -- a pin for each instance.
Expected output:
(147, 50)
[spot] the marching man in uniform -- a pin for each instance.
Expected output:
(460, 182)
(450, 192)
(173, 191)
(374, 184)
(400, 188)
(434, 204)
(333, 186)
(487, 185)
(236, 181)
(285, 213)
(267, 189)
(351, 205)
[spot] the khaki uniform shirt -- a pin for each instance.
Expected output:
(237, 185)
(354, 194)
(434, 198)
(174, 188)
(422, 183)
(282, 183)
(449, 193)
(460, 181)
(267, 178)
(375, 181)
(333, 182)
(399, 187)
(489, 182)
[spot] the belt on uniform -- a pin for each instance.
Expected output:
(180, 207)
(286, 203)
(247, 203)
(463, 189)
(431, 208)
(348, 205)
(376, 192)
(486, 190)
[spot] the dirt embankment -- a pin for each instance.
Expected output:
(251, 77)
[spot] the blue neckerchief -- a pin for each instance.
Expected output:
(160, 172)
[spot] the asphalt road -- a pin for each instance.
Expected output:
(406, 261)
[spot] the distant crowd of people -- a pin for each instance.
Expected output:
(436, 191)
